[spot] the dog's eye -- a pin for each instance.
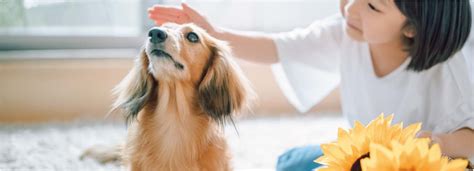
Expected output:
(192, 37)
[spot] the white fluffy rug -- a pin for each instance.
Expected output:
(57, 146)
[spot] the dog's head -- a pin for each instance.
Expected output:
(185, 54)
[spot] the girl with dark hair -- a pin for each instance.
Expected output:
(412, 58)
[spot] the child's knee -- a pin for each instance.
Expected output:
(299, 159)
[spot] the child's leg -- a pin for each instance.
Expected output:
(299, 159)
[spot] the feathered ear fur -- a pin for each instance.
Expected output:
(136, 89)
(223, 89)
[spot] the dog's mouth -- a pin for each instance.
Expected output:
(161, 53)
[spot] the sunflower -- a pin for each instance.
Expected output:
(413, 155)
(353, 145)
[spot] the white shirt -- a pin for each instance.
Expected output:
(316, 59)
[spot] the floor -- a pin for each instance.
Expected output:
(256, 146)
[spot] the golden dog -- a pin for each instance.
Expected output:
(183, 88)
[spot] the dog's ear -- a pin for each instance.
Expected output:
(223, 89)
(136, 89)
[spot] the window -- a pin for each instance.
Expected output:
(68, 17)
(85, 24)
(70, 24)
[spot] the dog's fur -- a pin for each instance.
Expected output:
(176, 105)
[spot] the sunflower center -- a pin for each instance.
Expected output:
(356, 166)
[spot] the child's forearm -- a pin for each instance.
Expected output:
(250, 46)
(458, 144)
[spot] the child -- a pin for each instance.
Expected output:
(406, 57)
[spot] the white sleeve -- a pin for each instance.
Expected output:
(468, 52)
(308, 68)
(464, 120)
(462, 117)
(469, 55)
(461, 114)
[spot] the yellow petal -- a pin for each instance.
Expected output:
(333, 151)
(410, 132)
(457, 164)
(434, 153)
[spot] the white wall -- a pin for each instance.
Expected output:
(43, 86)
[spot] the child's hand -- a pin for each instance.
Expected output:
(162, 14)
(435, 138)
(456, 145)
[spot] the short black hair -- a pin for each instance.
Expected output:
(441, 29)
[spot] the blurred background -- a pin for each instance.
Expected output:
(59, 59)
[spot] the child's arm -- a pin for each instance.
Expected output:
(457, 144)
(255, 47)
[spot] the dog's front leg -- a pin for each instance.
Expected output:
(104, 153)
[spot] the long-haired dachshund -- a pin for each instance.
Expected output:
(183, 88)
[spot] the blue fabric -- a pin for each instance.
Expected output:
(299, 159)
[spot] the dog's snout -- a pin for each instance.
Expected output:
(157, 35)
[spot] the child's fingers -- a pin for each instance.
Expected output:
(183, 19)
(173, 16)
(159, 22)
(162, 15)
(180, 19)
(164, 9)
(177, 20)
(435, 138)
(190, 11)
(167, 19)
(159, 6)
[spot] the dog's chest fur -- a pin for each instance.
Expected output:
(174, 133)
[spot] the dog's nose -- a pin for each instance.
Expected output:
(157, 35)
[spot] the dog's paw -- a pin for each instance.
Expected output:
(102, 153)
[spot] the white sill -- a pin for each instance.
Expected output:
(68, 54)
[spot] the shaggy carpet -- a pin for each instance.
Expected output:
(57, 146)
